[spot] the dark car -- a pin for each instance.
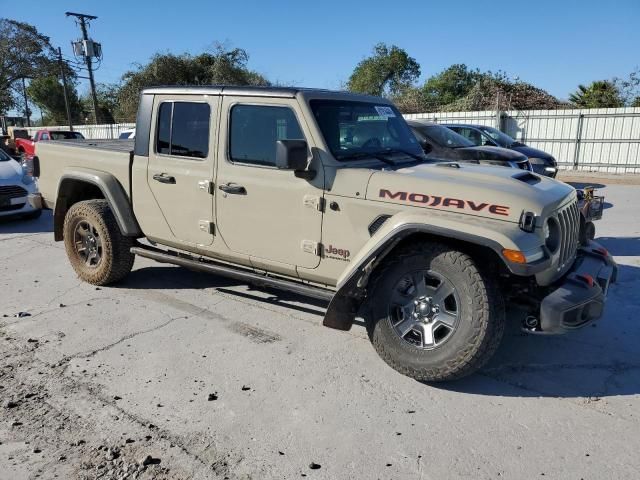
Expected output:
(441, 143)
(541, 162)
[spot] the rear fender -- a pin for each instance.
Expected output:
(112, 191)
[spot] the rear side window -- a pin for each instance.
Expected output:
(255, 129)
(183, 129)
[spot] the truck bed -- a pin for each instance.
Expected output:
(58, 156)
(113, 145)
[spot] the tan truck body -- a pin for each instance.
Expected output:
(328, 230)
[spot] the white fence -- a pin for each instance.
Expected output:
(105, 131)
(602, 139)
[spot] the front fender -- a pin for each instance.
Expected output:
(494, 234)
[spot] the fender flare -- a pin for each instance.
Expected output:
(350, 286)
(113, 192)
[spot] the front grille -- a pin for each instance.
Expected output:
(12, 191)
(569, 220)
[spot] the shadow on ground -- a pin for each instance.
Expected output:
(621, 246)
(43, 224)
(176, 278)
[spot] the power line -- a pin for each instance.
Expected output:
(88, 49)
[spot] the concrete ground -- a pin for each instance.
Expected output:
(180, 375)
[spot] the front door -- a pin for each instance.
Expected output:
(264, 212)
(180, 167)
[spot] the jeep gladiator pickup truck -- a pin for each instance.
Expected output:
(329, 195)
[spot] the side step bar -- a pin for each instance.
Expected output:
(245, 276)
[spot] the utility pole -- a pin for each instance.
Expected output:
(64, 89)
(26, 104)
(82, 19)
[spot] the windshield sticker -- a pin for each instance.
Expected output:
(385, 111)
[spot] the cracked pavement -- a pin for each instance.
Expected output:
(116, 382)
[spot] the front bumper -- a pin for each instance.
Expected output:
(17, 205)
(579, 298)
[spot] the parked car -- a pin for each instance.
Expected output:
(541, 162)
(27, 146)
(18, 190)
(127, 134)
(441, 143)
(328, 195)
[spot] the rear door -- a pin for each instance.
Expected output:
(180, 168)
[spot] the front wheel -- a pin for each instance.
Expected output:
(433, 315)
(96, 248)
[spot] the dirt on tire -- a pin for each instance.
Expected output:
(116, 260)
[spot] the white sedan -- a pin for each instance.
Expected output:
(19, 195)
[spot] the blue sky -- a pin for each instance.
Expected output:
(553, 44)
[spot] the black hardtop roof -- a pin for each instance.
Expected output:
(263, 91)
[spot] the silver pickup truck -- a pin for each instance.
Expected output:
(329, 195)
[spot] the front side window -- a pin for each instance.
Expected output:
(352, 129)
(44, 136)
(255, 129)
(183, 129)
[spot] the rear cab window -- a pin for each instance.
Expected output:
(183, 129)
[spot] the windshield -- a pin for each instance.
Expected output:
(4, 156)
(66, 136)
(444, 137)
(500, 138)
(355, 129)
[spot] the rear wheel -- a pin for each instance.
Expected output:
(96, 248)
(433, 315)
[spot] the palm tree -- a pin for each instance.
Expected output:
(600, 94)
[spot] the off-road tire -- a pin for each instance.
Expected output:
(116, 259)
(480, 325)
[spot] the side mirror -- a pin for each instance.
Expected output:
(426, 147)
(293, 155)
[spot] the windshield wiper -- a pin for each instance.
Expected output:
(363, 155)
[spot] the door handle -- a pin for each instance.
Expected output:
(164, 178)
(233, 188)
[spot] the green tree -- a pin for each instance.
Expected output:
(451, 84)
(48, 94)
(600, 94)
(107, 100)
(24, 53)
(388, 72)
(635, 102)
(221, 66)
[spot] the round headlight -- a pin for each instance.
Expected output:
(551, 232)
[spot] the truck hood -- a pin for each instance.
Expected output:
(493, 192)
(10, 169)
